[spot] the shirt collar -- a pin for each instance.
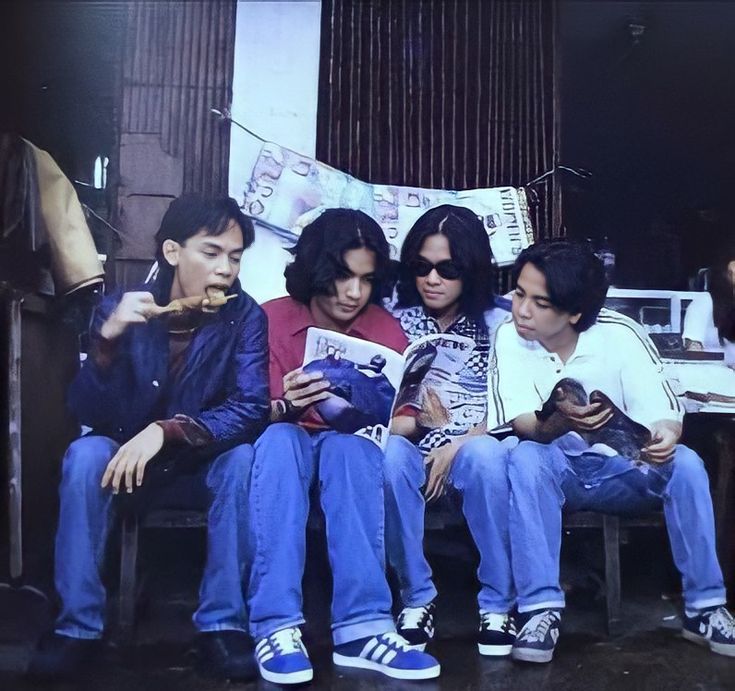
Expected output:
(301, 319)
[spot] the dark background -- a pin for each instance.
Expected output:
(652, 118)
(647, 105)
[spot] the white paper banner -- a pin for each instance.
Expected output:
(288, 190)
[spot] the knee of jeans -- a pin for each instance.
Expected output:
(232, 467)
(527, 462)
(86, 459)
(351, 453)
(687, 463)
(399, 460)
(280, 432)
(482, 459)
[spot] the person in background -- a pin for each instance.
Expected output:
(174, 401)
(336, 281)
(709, 322)
(446, 286)
(560, 330)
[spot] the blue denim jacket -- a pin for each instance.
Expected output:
(223, 384)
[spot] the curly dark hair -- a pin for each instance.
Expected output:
(186, 216)
(470, 249)
(723, 295)
(575, 277)
(319, 254)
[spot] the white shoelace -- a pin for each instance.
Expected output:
(540, 627)
(496, 622)
(411, 617)
(287, 641)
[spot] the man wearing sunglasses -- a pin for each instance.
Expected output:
(446, 287)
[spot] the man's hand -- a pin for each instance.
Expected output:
(134, 308)
(585, 418)
(302, 389)
(131, 459)
(664, 436)
(440, 460)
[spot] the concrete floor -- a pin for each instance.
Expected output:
(651, 655)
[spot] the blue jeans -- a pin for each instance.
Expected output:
(87, 511)
(544, 478)
(479, 474)
(350, 478)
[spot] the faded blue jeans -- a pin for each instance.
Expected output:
(546, 477)
(480, 476)
(87, 512)
(349, 473)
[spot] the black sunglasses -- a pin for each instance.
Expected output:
(446, 268)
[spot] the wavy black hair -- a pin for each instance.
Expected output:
(186, 216)
(575, 277)
(722, 291)
(319, 254)
(470, 249)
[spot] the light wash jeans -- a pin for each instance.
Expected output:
(546, 477)
(349, 473)
(479, 474)
(87, 511)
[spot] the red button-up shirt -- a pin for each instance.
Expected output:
(288, 321)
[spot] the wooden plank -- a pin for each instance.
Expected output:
(13, 300)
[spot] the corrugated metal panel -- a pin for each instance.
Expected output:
(449, 94)
(178, 64)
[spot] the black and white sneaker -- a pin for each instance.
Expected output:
(416, 625)
(713, 627)
(537, 638)
(497, 634)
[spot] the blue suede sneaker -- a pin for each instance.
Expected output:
(713, 627)
(389, 654)
(282, 658)
(537, 638)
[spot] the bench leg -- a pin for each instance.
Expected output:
(611, 533)
(128, 563)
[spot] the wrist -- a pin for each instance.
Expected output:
(111, 329)
(285, 410)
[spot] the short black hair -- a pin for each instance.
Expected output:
(575, 277)
(319, 254)
(190, 213)
(469, 246)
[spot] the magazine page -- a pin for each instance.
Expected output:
(440, 387)
(363, 377)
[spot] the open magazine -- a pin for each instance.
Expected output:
(370, 383)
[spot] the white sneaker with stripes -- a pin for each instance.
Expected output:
(282, 658)
(389, 654)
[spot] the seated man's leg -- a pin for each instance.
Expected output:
(690, 523)
(221, 602)
(536, 473)
(405, 474)
(480, 474)
(283, 470)
(224, 647)
(84, 519)
(351, 483)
